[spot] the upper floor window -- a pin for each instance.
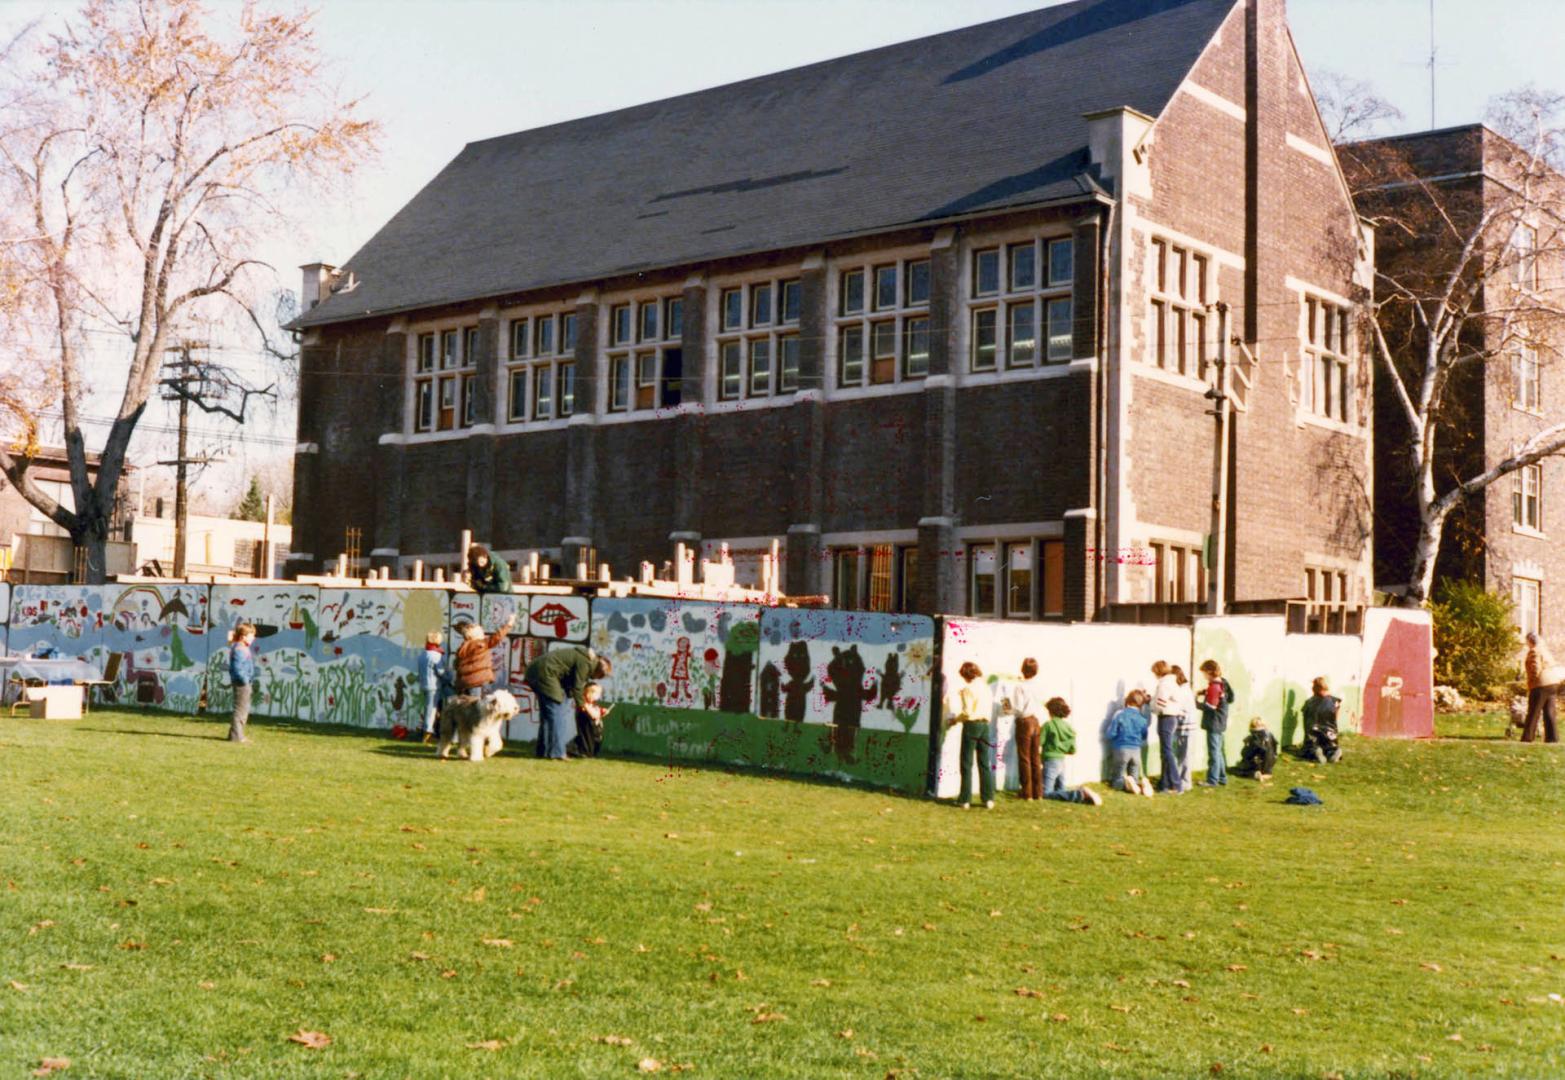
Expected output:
(644, 358)
(1326, 378)
(883, 322)
(1527, 381)
(758, 339)
(1021, 307)
(1524, 246)
(1177, 330)
(541, 367)
(875, 577)
(445, 380)
(1526, 496)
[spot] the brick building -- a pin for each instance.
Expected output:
(1500, 537)
(940, 317)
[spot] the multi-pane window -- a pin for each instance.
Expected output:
(445, 380)
(883, 322)
(1526, 381)
(875, 577)
(1524, 247)
(541, 367)
(758, 339)
(1004, 579)
(1177, 326)
(1326, 374)
(1527, 595)
(1021, 309)
(1179, 574)
(1526, 492)
(644, 360)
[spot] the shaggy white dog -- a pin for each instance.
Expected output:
(475, 723)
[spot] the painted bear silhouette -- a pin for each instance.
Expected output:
(890, 682)
(846, 674)
(800, 682)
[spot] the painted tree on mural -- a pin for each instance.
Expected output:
(145, 148)
(1468, 304)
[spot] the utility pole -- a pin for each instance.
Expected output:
(1217, 584)
(181, 387)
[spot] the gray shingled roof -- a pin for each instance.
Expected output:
(977, 119)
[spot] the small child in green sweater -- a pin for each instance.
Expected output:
(1059, 743)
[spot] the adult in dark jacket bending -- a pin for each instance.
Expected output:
(559, 678)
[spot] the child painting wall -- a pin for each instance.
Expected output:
(1091, 666)
(367, 654)
(159, 630)
(286, 620)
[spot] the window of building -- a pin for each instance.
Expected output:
(1326, 375)
(1527, 594)
(1178, 328)
(541, 367)
(1527, 381)
(445, 380)
(1004, 581)
(1021, 310)
(1524, 246)
(1179, 573)
(644, 358)
(1526, 496)
(882, 325)
(758, 343)
(874, 577)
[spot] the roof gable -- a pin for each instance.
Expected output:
(977, 119)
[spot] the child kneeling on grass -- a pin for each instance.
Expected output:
(1320, 724)
(1127, 734)
(1258, 756)
(1059, 742)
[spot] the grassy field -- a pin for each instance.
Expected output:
(174, 906)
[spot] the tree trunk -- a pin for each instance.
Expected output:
(93, 540)
(1422, 580)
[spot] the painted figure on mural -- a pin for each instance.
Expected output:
(800, 681)
(679, 672)
(846, 675)
(771, 690)
(740, 650)
(890, 682)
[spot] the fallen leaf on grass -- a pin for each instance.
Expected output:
(1183, 984)
(1310, 954)
(1217, 1068)
(448, 974)
(488, 1044)
(380, 911)
(51, 1064)
(1266, 1048)
(328, 958)
(1135, 892)
(132, 946)
(1027, 991)
(478, 895)
(614, 1040)
(1122, 1008)
(77, 967)
(1060, 1018)
(207, 984)
(845, 1033)
(865, 1052)
(497, 942)
(160, 881)
(418, 955)
(1454, 1037)
(1238, 967)
(1301, 1012)
(820, 982)
(313, 1040)
(1431, 967)
(19, 987)
(767, 1018)
(44, 925)
(649, 1065)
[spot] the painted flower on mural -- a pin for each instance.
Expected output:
(919, 656)
(602, 638)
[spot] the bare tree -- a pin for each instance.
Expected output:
(1350, 108)
(1467, 287)
(143, 149)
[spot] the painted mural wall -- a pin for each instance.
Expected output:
(1091, 666)
(683, 654)
(287, 629)
(159, 631)
(366, 655)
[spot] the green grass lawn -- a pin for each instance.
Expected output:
(173, 906)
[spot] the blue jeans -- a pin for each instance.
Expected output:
(1127, 763)
(976, 742)
(1216, 759)
(1054, 782)
(431, 706)
(1169, 742)
(556, 727)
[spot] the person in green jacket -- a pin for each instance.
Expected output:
(560, 678)
(485, 573)
(1059, 743)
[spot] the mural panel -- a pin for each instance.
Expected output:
(557, 618)
(678, 653)
(849, 669)
(1399, 684)
(1091, 666)
(159, 631)
(287, 628)
(367, 654)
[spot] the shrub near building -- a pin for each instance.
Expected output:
(1475, 640)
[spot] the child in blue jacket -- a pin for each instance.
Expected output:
(432, 681)
(241, 673)
(1127, 734)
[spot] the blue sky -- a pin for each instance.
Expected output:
(440, 73)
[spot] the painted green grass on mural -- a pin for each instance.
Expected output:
(179, 906)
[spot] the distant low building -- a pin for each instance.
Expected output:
(35, 549)
(213, 546)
